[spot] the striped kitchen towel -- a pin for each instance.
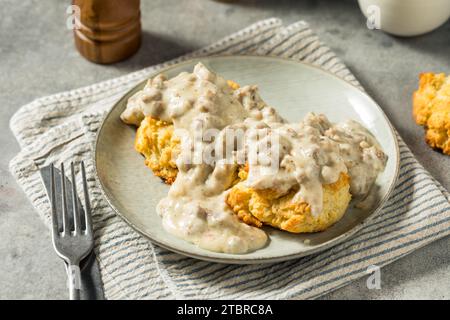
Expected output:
(62, 128)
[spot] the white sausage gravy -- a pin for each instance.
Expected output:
(281, 156)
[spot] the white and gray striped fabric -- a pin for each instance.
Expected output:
(62, 127)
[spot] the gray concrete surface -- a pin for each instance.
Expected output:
(37, 57)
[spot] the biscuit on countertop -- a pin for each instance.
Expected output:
(431, 109)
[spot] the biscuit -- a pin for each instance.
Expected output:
(431, 109)
(155, 140)
(279, 211)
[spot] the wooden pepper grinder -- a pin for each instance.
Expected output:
(108, 30)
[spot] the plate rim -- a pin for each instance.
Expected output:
(231, 260)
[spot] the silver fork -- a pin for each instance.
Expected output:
(72, 241)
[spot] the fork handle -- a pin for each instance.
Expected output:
(74, 275)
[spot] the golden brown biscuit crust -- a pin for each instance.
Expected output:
(279, 211)
(155, 140)
(431, 109)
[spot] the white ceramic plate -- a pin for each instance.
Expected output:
(294, 89)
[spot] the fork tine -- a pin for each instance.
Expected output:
(53, 201)
(65, 217)
(76, 212)
(87, 205)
